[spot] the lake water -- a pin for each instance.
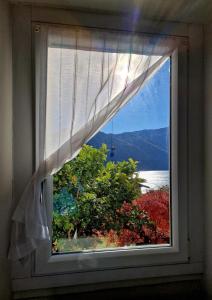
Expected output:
(154, 179)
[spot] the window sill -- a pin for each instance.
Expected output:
(103, 279)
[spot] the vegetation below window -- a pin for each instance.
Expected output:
(99, 204)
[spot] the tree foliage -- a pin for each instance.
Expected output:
(88, 191)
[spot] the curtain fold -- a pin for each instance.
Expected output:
(83, 77)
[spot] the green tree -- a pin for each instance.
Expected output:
(88, 191)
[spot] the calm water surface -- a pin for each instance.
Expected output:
(154, 179)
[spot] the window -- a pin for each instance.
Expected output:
(63, 73)
(115, 193)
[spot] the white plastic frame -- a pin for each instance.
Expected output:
(149, 255)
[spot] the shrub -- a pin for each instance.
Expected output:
(156, 204)
(133, 224)
(143, 221)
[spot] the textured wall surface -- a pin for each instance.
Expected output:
(5, 145)
(208, 157)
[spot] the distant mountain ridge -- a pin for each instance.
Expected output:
(149, 147)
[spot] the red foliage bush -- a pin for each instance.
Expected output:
(143, 221)
(125, 237)
(156, 204)
(128, 237)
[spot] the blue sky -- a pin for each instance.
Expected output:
(149, 109)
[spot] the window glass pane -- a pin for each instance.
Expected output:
(116, 192)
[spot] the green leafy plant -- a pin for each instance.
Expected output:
(88, 191)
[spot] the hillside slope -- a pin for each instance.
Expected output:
(148, 147)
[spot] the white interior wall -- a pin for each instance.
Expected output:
(5, 145)
(208, 158)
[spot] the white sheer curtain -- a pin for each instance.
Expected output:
(83, 77)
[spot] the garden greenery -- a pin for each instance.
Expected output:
(94, 198)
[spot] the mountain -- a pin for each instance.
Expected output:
(149, 147)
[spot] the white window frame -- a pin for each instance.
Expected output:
(46, 263)
(44, 271)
